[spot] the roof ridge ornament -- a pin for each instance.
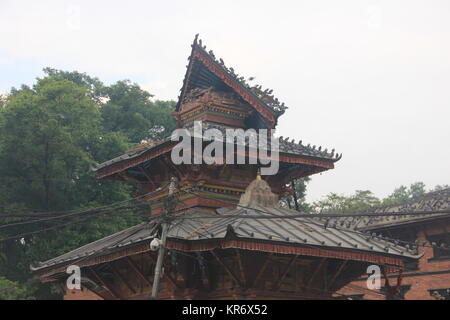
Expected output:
(266, 99)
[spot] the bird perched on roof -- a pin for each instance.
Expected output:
(251, 78)
(221, 61)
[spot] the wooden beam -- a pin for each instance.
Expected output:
(261, 271)
(142, 169)
(170, 279)
(338, 273)
(169, 163)
(97, 292)
(138, 271)
(227, 269)
(241, 268)
(134, 181)
(284, 274)
(108, 288)
(316, 272)
(121, 278)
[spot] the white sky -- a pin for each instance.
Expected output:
(369, 78)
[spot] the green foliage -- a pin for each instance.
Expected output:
(10, 290)
(441, 187)
(94, 86)
(46, 134)
(299, 187)
(403, 194)
(51, 136)
(130, 111)
(361, 200)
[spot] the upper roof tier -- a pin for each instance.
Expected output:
(205, 71)
(306, 154)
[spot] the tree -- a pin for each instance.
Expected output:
(296, 199)
(403, 194)
(94, 86)
(440, 187)
(46, 134)
(364, 200)
(10, 290)
(335, 203)
(51, 136)
(129, 110)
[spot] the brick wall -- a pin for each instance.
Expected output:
(83, 294)
(431, 274)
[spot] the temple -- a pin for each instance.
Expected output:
(229, 238)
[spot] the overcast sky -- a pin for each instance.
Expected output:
(368, 78)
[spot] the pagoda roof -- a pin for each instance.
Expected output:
(148, 150)
(205, 70)
(427, 208)
(303, 236)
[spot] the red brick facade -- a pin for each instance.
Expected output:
(432, 274)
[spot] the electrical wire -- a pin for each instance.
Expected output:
(330, 215)
(60, 213)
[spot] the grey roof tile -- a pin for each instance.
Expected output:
(299, 231)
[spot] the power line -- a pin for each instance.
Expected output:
(73, 213)
(58, 226)
(332, 215)
(59, 213)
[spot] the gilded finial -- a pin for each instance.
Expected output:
(258, 174)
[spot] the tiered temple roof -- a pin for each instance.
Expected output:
(144, 151)
(205, 70)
